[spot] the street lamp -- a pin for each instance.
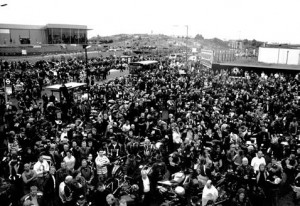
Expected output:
(186, 42)
(86, 46)
(187, 35)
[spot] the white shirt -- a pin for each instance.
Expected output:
(40, 168)
(256, 162)
(146, 184)
(70, 162)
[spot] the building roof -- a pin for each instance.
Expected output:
(262, 65)
(20, 26)
(50, 26)
(65, 26)
(283, 46)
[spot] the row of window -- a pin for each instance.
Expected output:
(67, 36)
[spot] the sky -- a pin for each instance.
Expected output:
(264, 20)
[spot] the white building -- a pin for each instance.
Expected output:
(290, 56)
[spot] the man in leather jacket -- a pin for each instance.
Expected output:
(244, 173)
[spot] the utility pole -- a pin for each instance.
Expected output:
(186, 47)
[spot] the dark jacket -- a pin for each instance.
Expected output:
(141, 186)
(49, 187)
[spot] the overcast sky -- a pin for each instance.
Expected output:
(265, 20)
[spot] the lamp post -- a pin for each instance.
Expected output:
(186, 42)
(86, 46)
(187, 35)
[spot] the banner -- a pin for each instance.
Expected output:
(207, 57)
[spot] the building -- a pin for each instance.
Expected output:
(16, 34)
(236, 44)
(279, 55)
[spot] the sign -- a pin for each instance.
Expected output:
(4, 31)
(7, 81)
(24, 52)
(207, 57)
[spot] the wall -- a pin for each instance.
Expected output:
(279, 56)
(4, 38)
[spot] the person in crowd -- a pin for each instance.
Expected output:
(29, 177)
(241, 199)
(146, 189)
(87, 173)
(244, 174)
(66, 192)
(70, 160)
(35, 197)
(101, 165)
(209, 193)
(41, 167)
(62, 172)
(50, 188)
(257, 161)
(99, 196)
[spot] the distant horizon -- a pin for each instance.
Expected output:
(273, 21)
(172, 35)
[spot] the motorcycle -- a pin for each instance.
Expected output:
(174, 196)
(178, 179)
(117, 170)
(126, 191)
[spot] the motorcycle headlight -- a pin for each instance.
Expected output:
(135, 187)
(179, 190)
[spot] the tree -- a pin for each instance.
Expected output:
(199, 37)
(254, 43)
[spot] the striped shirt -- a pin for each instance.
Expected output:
(100, 161)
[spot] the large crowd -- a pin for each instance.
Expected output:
(237, 126)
